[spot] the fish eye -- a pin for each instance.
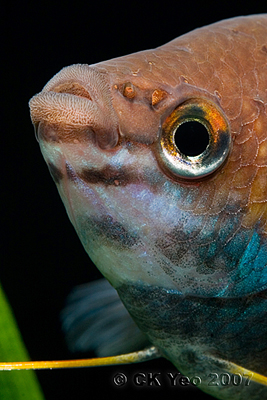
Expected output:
(195, 139)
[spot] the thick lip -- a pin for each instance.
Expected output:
(78, 96)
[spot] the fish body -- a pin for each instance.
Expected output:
(160, 160)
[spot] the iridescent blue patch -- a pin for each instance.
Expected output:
(251, 272)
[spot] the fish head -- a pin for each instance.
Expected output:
(159, 158)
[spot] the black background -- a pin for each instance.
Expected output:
(43, 258)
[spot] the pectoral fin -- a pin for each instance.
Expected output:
(95, 319)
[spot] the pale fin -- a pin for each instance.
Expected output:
(139, 356)
(95, 319)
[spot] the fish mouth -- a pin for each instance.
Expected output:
(71, 101)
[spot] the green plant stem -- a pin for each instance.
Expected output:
(15, 385)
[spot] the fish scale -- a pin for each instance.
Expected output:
(181, 237)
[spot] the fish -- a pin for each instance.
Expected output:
(160, 159)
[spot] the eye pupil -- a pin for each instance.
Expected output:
(191, 138)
